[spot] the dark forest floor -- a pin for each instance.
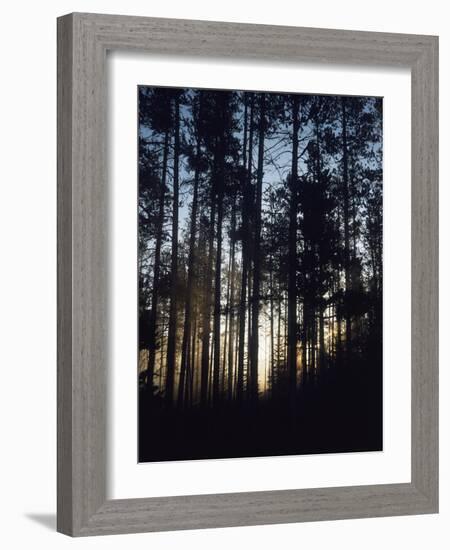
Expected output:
(339, 412)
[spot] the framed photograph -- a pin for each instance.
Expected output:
(274, 257)
(247, 274)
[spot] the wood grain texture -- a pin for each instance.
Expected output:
(424, 275)
(82, 272)
(83, 40)
(64, 252)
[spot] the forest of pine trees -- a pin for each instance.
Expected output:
(260, 273)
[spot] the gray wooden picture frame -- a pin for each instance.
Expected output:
(83, 40)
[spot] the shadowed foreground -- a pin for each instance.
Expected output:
(260, 259)
(342, 413)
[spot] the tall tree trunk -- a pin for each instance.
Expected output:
(313, 340)
(272, 313)
(279, 329)
(195, 360)
(321, 338)
(227, 330)
(246, 182)
(219, 165)
(292, 276)
(156, 270)
(211, 358)
(207, 304)
(348, 329)
(321, 253)
(286, 347)
(249, 318)
(191, 270)
(172, 336)
(254, 344)
(162, 350)
(231, 302)
(190, 372)
(217, 292)
(338, 303)
(304, 342)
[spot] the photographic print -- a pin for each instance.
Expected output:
(260, 266)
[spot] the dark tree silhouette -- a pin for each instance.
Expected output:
(292, 260)
(195, 159)
(260, 273)
(172, 335)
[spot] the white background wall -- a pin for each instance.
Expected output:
(28, 271)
